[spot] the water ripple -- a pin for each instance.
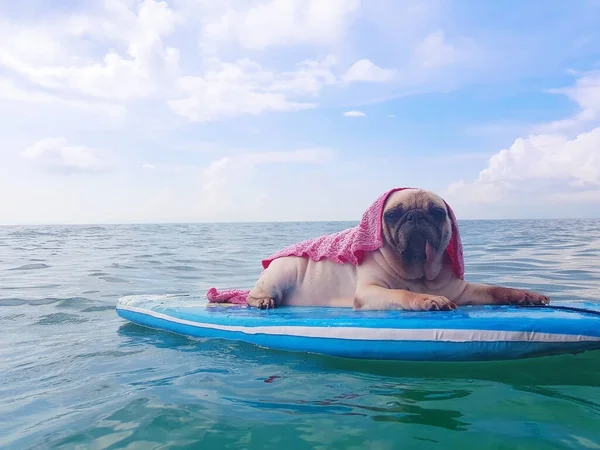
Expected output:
(31, 267)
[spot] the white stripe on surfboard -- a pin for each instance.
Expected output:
(384, 334)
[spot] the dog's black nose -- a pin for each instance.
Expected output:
(411, 217)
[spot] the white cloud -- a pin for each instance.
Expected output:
(575, 161)
(365, 70)
(434, 52)
(535, 169)
(545, 164)
(586, 94)
(283, 22)
(543, 168)
(149, 166)
(9, 91)
(551, 151)
(113, 54)
(244, 87)
(392, 116)
(60, 57)
(354, 114)
(56, 155)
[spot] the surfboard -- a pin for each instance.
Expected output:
(472, 333)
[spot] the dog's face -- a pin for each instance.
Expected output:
(417, 226)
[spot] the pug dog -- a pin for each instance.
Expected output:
(412, 268)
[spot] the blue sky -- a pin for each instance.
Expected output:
(261, 110)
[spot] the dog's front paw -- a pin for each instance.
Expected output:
(261, 302)
(426, 302)
(521, 297)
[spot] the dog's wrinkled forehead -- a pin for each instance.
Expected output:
(414, 199)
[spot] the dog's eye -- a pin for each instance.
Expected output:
(437, 213)
(393, 215)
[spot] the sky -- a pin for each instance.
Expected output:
(129, 111)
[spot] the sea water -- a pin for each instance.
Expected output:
(75, 375)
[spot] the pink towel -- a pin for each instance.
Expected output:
(347, 246)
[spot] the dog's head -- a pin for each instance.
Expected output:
(417, 227)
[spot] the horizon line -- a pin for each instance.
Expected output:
(258, 222)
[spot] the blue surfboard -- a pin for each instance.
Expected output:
(473, 333)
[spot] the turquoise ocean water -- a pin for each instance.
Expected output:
(75, 375)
